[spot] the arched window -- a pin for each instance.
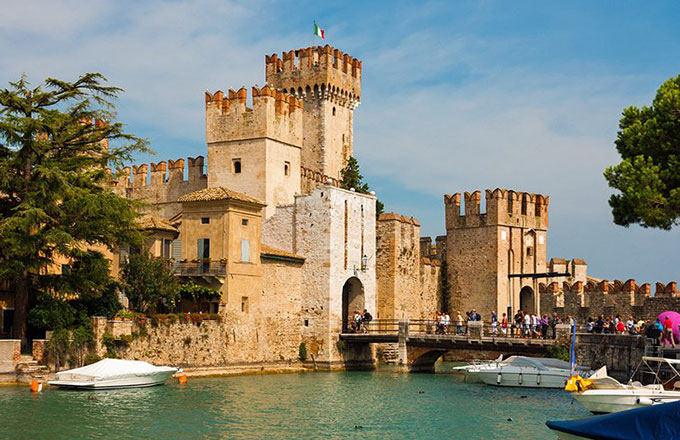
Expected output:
(237, 166)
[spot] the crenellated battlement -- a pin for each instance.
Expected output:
(275, 115)
(607, 298)
(311, 179)
(161, 183)
(320, 72)
(503, 207)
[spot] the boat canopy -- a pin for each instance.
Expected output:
(109, 368)
(662, 360)
(656, 421)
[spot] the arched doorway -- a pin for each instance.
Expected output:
(352, 300)
(526, 300)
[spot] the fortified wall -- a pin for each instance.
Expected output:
(608, 298)
(163, 185)
(408, 285)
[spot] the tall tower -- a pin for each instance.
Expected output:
(330, 84)
(491, 256)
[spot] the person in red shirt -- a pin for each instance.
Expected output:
(668, 331)
(620, 327)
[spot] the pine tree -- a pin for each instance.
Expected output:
(350, 177)
(55, 194)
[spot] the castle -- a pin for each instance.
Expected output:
(265, 222)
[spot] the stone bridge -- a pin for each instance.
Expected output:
(420, 346)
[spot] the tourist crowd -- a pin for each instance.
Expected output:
(655, 329)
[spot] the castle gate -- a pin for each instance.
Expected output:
(527, 300)
(352, 300)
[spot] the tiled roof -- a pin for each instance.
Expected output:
(218, 193)
(268, 250)
(400, 218)
(151, 222)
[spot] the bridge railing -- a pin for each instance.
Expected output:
(375, 326)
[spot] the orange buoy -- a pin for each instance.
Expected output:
(182, 379)
(36, 386)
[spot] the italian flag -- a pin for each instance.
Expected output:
(318, 31)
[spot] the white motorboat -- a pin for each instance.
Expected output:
(113, 373)
(607, 395)
(521, 371)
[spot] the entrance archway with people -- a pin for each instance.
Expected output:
(526, 300)
(352, 300)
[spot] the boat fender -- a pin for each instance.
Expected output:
(36, 386)
(644, 401)
(538, 379)
(182, 379)
(499, 378)
(521, 379)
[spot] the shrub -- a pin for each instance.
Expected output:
(91, 358)
(302, 351)
(559, 350)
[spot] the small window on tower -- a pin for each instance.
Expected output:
(286, 168)
(530, 251)
(237, 166)
(205, 220)
(333, 111)
(244, 222)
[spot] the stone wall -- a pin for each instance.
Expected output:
(162, 185)
(10, 354)
(608, 298)
(620, 353)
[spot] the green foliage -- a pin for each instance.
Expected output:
(195, 292)
(647, 177)
(302, 351)
(350, 177)
(340, 345)
(559, 350)
(110, 343)
(149, 284)
(51, 313)
(71, 345)
(106, 304)
(56, 192)
(91, 358)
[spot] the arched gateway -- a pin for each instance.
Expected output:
(352, 300)
(527, 300)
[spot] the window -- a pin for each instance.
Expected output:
(167, 246)
(306, 322)
(177, 250)
(245, 251)
(237, 166)
(205, 220)
(203, 248)
(244, 222)
(286, 168)
(333, 111)
(530, 251)
(245, 308)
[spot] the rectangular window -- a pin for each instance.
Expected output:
(205, 220)
(244, 222)
(177, 250)
(236, 166)
(245, 251)
(167, 246)
(530, 251)
(203, 248)
(245, 307)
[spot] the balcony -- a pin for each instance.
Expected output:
(206, 270)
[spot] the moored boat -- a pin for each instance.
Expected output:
(113, 373)
(606, 395)
(660, 422)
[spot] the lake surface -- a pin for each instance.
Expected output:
(388, 405)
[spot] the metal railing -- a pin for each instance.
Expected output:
(212, 268)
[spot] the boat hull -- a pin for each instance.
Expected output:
(523, 379)
(609, 401)
(128, 381)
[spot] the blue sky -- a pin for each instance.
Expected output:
(457, 95)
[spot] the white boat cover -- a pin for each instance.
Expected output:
(111, 368)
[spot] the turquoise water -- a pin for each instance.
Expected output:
(388, 405)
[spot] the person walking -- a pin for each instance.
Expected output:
(553, 324)
(446, 321)
(459, 323)
(668, 331)
(494, 323)
(366, 318)
(504, 325)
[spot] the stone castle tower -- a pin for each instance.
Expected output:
(298, 133)
(491, 256)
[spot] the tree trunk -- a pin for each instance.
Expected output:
(21, 309)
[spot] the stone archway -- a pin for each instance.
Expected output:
(527, 300)
(352, 300)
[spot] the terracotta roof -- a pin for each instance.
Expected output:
(151, 222)
(400, 218)
(268, 250)
(218, 193)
